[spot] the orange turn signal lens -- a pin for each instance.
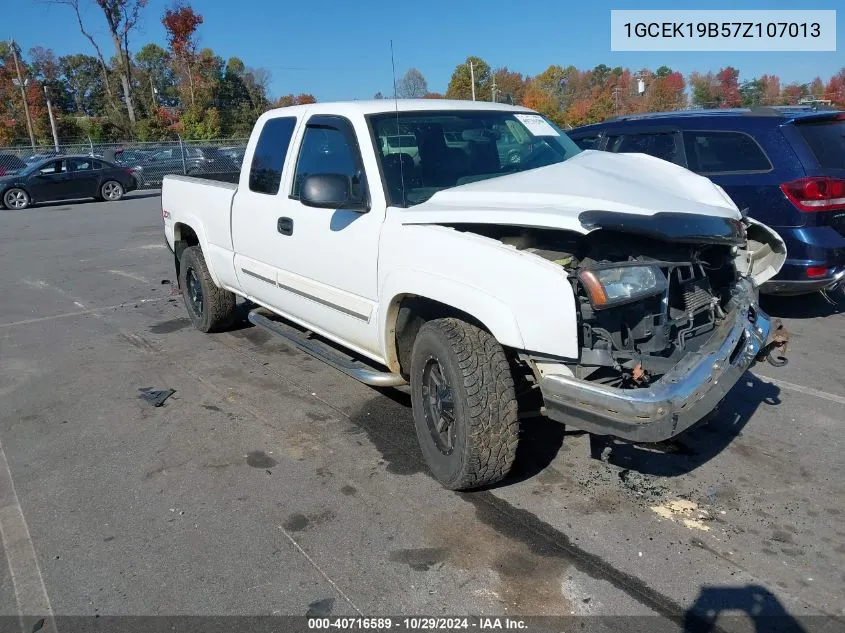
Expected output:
(598, 297)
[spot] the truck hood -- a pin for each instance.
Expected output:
(554, 196)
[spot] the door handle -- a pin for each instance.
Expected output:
(285, 226)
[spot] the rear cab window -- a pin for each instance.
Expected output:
(826, 140)
(268, 160)
(718, 152)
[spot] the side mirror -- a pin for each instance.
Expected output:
(330, 191)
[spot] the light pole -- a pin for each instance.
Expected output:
(20, 81)
(52, 120)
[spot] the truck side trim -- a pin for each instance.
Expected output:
(257, 276)
(310, 297)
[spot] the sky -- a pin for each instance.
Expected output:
(341, 50)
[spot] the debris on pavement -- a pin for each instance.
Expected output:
(165, 282)
(155, 397)
(686, 512)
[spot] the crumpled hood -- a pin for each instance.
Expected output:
(553, 196)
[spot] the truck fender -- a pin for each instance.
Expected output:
(494, 314)
(194, 224)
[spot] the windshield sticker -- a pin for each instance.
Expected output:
(536, 124)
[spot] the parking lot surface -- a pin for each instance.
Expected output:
(269, 483)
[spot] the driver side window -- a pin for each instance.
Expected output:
(329, 148)
(56, 167)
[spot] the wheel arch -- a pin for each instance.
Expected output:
(185, 236)
(408, 309)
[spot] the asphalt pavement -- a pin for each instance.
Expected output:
(271, 484)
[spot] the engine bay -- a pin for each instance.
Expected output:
(635, 341)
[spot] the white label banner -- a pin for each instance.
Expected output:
(723, 30)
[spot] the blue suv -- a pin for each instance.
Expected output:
(783, 166)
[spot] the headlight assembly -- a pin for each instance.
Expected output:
(614, 285)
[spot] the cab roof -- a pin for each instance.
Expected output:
(383, 106)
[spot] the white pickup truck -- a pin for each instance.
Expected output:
(618, 291)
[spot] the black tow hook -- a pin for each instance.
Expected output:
(774, 351)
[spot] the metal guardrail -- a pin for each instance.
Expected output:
(219, 158)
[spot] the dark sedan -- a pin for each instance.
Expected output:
(193, 161)
(66, 178)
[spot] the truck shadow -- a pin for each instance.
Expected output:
(541, 439)
(700, 444)
(749, 603)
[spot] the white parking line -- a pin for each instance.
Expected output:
(81, 312)
(30, 591)
(809, 391)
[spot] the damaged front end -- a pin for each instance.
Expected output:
(668, 317)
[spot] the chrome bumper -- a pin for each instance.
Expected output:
(682, 397)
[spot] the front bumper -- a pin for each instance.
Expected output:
(681, 398)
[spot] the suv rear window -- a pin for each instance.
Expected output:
(724, 152)
(826, 140)
(265, 173)
(658, 144)
(586, 142)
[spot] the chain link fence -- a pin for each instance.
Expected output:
(219, 159)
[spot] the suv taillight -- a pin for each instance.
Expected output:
(816, 194)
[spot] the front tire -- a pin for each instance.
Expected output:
(211, 309)
(111, 191)
(464, 404)
(16, 199)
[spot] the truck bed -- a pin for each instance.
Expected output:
(205, 205)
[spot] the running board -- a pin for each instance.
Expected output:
(321, 351)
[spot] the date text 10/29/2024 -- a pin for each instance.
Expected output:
(417, 624)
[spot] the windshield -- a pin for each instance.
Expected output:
(439, 150)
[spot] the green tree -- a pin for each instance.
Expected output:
(157, 81)
(704, 90)
(460, 85)
(82, 76)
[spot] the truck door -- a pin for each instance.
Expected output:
(326, 260)
(257, 205)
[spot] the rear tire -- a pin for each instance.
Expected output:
(111, 191)
(210, 308)
(464, 404)
(16, 199)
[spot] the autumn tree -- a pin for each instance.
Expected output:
(793, 93)
(727, 89)
(769, 90)
(461, 84)
(412, 85)
(667, 91)
(835, 90)
(510, 86)
(181, 23)
(292, 99)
